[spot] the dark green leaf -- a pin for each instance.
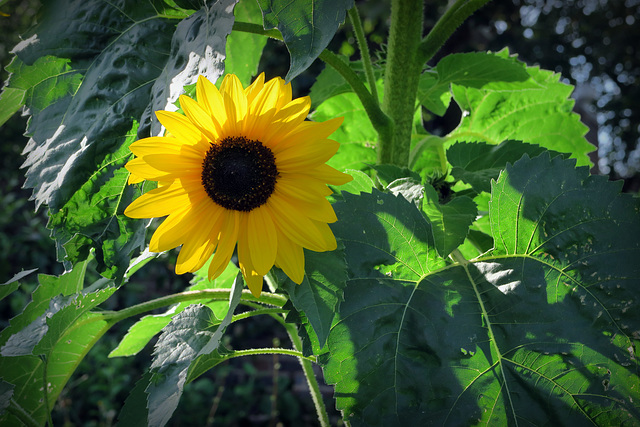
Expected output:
(115, 64)
(307, 27)
(320, 293)
(449, 222)
(6, 392)
(542, 330)
(134, 411)
(478, 163)
(38, 85)
(192, 333)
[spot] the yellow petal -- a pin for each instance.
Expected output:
(227, 240)
(198, 246)
(251, 276)
(296, 226)
(210, 99)
(171, 233)
(143, 170)
(158, 202)
(235, 102)
(306, 155)
(302, 187)
(328, 174)
(175, 164)
(180, 127)
(290, 259)
(262, 239)
(200, 118)
(255, 88)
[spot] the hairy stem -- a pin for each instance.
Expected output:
(356, 23)
(312, 381)
(402, 74)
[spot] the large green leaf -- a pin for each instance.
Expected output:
(307, 27)
(541, 330)
(58, 326)
(111, 64)
(537, 110)
(192, 333)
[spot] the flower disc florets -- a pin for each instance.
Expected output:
(239, 174)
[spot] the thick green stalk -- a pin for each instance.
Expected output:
(402, 74)
(445, 26)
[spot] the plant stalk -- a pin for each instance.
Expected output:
(211, 294)
(446, 25)
(356, 23)
(312, 381)
(402, 74)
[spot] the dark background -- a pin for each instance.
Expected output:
(591, 43)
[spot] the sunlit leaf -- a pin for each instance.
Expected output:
(307, 27)
(192, 333)
(537, 110)
(63, 331)
(540, 330)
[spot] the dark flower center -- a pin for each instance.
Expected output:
(239, 174)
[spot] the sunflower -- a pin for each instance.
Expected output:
(241, 169)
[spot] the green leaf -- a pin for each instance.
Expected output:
(356, 135)
(114, 65)
(6, 392)
(197, 48)
(134, 411)
(320, 293)
(541, 330)
(12, 284)
(478, 163)
(141, 332)
(449, 222)
(65, 330)
(533, 110)
(361, 183)
(245, 49)
(192, 333)
(307, 27)
(38, 85)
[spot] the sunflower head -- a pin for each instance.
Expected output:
(241, 170)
